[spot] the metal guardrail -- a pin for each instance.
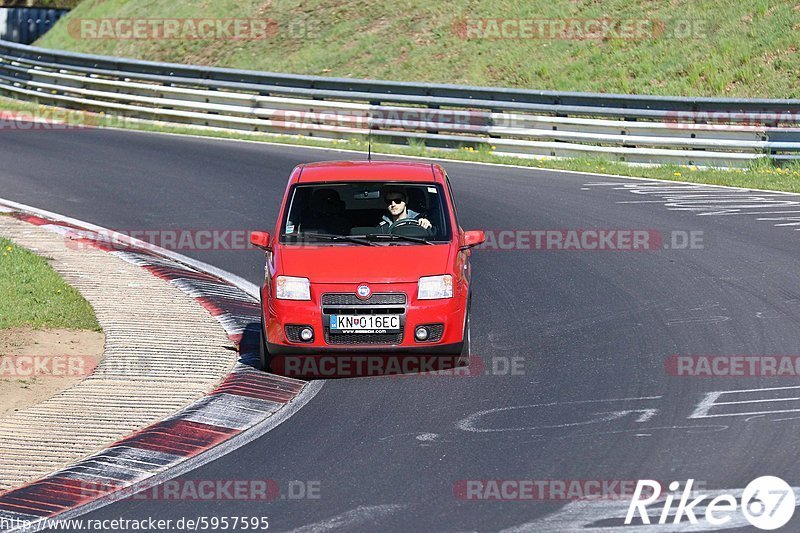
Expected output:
(533, 124)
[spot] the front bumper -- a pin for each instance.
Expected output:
(281, 313)
(418, 350)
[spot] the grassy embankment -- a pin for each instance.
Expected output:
(35, 296)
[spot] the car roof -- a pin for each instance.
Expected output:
(327, 171)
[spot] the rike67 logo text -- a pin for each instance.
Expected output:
(767, 503)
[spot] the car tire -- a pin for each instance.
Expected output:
(466, 349)
(262, 350)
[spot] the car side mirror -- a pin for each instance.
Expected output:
(260, 239)
(472, 238)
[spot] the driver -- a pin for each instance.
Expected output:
(396, 198)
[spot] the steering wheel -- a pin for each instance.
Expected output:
(403, 222)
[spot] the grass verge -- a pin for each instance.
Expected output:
(762, 173)
(35, 296)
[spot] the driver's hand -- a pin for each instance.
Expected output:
(425, 223)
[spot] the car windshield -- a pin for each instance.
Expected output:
(369, 213)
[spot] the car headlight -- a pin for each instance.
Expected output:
(291, 288)
(435, 287)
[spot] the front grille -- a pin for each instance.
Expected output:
(385, 298)
(363, 310)
(387, 303)
(435, 332)
(364, 338)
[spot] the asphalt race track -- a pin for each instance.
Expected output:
(590, 333)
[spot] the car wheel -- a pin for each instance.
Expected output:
(466, 349)
(262, 349)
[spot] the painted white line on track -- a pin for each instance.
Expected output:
(711, 401)
(470, 423)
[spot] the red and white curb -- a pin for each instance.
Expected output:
(247, 404)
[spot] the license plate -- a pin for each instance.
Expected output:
(365, 324)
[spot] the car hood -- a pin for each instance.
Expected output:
(369, 264)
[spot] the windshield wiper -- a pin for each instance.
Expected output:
(335, 238)
(396, 237)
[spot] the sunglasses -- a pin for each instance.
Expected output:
(395, 200)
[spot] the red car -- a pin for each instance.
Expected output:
(366, 256)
